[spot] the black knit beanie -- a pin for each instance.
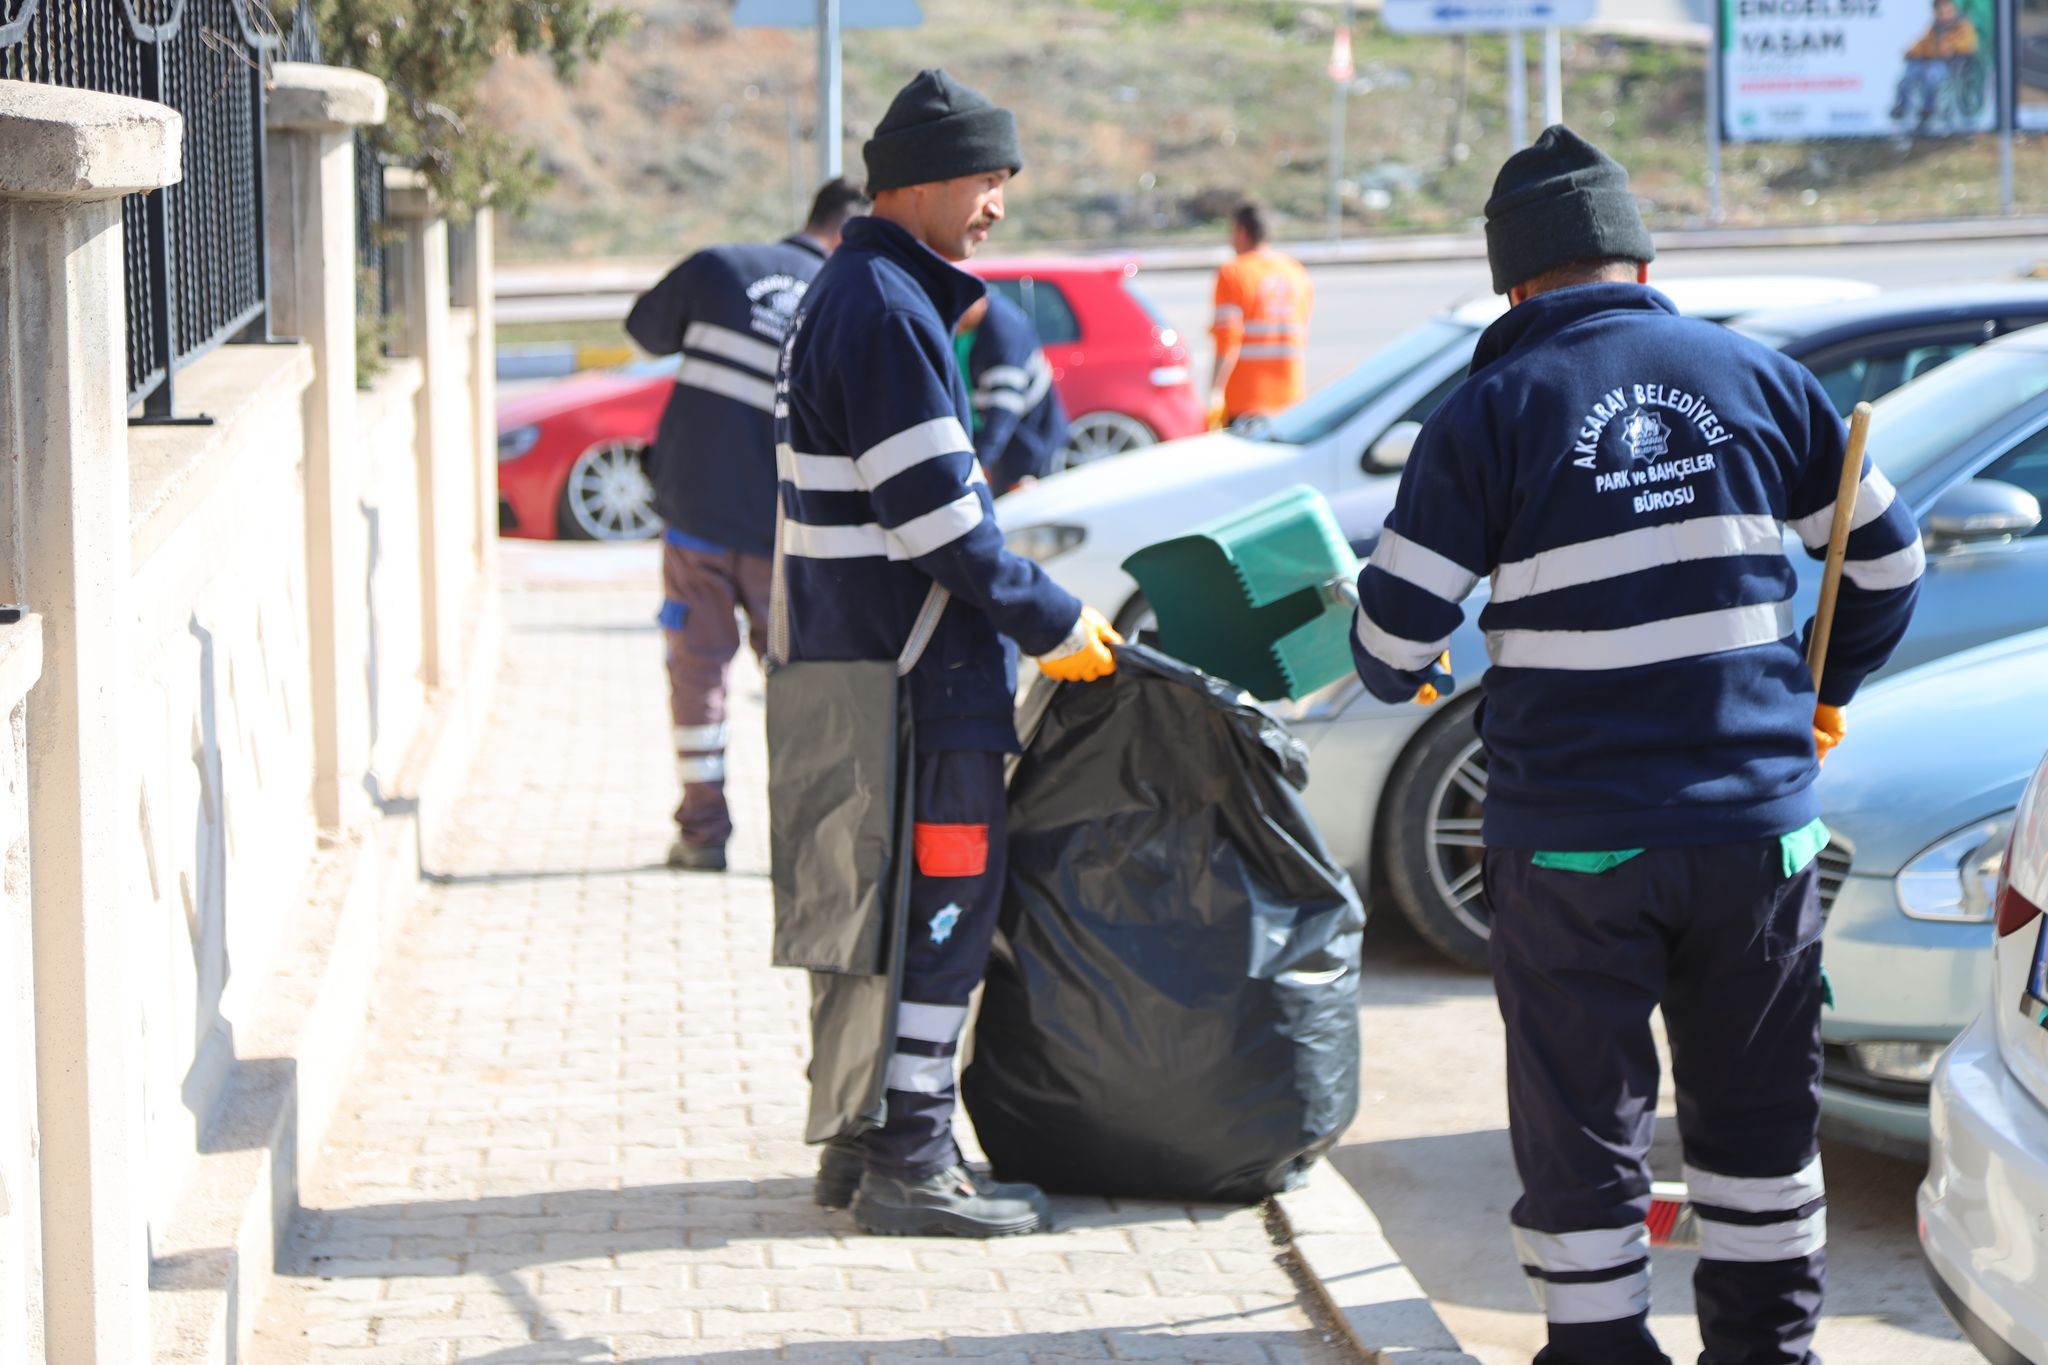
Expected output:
(938, 129)
(1558, 200)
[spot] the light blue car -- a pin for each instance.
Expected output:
(1919, 800)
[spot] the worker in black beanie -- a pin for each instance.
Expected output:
(888, 549)
(1625, 476)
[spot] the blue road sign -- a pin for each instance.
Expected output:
(1483, 16)
(804, 14)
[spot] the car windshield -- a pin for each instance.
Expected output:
(1913, 427)
(1329, 407)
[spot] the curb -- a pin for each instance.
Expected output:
(1368, 1289)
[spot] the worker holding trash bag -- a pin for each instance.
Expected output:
(1624, 476)
(892, 673)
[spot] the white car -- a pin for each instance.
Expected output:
(1086, 521)
(1984, 1204)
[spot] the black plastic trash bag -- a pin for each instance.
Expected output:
(1172, 1008)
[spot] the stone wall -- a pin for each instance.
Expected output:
(20, 1228)
(218, 720)
(270, 639)
(388, 447)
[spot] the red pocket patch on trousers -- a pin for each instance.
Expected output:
(951, 850)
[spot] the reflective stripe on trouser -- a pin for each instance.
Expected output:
(702, 590)
(1730, 947)
(956, 888)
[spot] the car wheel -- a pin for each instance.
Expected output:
(1135, 616)
(1430, 843)
(1099, 435)
(609, 495)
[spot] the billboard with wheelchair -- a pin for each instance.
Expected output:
(1860, 68)
(2030, 60)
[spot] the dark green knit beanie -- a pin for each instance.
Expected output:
(938, 129)
(1558, 200)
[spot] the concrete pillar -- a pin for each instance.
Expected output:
(475, 263)
(313, 112)
(422, 271)
(71, 155)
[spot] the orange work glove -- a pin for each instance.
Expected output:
(1084, 655)
(1440, 684)
(1829, 725)
(1216, 421)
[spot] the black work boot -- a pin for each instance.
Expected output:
(840, 1167)
(696, 857)
(949, 1203)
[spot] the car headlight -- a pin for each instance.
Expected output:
(1044, 542)
(1957, 879)
(516, 442)
(1325, 703)
(1911, 1062)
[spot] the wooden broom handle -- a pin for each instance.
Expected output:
(1838, 543)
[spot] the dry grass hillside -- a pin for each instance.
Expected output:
(1145, 119)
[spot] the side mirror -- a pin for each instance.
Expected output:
(1980, 511)
(1389, 454)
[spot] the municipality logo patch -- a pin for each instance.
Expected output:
(1647, 435)
(943, 922)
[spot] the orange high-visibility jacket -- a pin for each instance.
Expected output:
(1262, 306)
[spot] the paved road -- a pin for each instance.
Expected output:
(1361, 307)
(1430, 1152)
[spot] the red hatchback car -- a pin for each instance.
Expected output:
(572, 458)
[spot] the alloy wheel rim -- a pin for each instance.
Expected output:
(1455, 843)
(610, 494)
(1100, 435)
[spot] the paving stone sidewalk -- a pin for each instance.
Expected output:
(573, 1135)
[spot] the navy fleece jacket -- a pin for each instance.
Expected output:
(1626, 476)
(883, 496)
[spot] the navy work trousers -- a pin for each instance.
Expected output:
(1729, 945)
(956, 888)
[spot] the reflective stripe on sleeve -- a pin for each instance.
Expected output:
(1269, 352)
(752, 352)
(1649, 547)
(1654, 642)
(1894, 570)
(937, 529)
(1228, 314)
(1393, 650)
(691, 738)
(912, 447)
(712, 377)
(1434, 573)
(1873, 497)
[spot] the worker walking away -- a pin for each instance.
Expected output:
(1020, 425)
(1624, 476)
(1263, 298)
(887, 514)
(727, 309)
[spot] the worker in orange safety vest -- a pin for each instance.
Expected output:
(1263, 299)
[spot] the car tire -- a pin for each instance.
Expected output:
(1429, 845)
(1134, 616)
(1100, 435)
(609, 495)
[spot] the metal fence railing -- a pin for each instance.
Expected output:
(196, 261)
